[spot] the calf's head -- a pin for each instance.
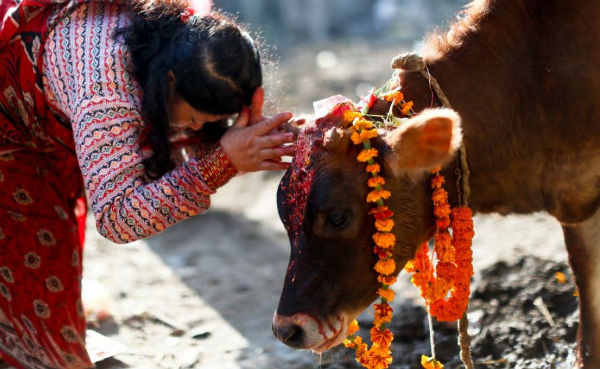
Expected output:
(321, 201)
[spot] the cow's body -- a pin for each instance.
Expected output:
(523, 76)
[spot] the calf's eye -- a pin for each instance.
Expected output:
(337, 219)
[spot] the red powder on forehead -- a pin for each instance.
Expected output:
(301, 174)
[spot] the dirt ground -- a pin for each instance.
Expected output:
(202, 294)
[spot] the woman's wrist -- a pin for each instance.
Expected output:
(215, 167)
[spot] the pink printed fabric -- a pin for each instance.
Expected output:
(85, 76)
(77, 88)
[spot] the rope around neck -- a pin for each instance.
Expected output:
(412, 62)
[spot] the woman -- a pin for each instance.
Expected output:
(93, 95)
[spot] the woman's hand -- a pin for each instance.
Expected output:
(254, 143)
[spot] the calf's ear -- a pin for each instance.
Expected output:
(425, 141)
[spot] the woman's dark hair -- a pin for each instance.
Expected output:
(215, 61)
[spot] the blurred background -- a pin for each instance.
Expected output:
(316, 48)
(202, 294)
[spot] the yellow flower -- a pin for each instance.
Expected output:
(367, 154)
(430, 363)
(361, 124)
(388, 294)
(353, 328)
(384, 225)
(384, 240)
(350, 115)
(375, 195)
(385, 267)
(375, 181)
(348, 343)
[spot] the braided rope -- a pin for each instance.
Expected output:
(412, 62)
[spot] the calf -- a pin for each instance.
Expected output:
(522, 75)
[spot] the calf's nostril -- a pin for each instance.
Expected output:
(292, 335)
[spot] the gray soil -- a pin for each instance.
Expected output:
(202, 294)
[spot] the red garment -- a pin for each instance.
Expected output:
(41, 317)
(41, 326)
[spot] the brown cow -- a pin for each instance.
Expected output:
(523, 76)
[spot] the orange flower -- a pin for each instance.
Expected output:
(348, 343)
(386, 279)
(350, 115)
(383, 308)
(443, 247)
(397, 96)
(376, 181)
(355, 137)
(382, 338)
(446, 270)
(384, 240)
(438, 290)
(560, 277)
(441, 211)
(442, 223)
(353, 328)
(375, 359)
(367, 134)
(379, 319)
(373, 168)
(406, 107)
(385, 267)
(361, 124)
(384, 225)
(386, 294)
(439, 197)
(431, 363)
(364, 135)
(381, 212)
(376, 195)
(462, 213)
(361, 348)
(367, 154)
(382, 253)
(437, 181)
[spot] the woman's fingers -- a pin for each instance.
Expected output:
(243, 118)
(276, 152)
(270, 124)
(273, 165)
(275, 139)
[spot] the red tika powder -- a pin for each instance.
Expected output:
(299, 179)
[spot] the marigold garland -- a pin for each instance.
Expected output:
(453, 270)
(378, 356)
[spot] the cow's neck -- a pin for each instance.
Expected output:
(492, 79)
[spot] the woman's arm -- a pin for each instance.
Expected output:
(87, 79)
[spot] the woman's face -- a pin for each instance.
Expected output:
(183, 117)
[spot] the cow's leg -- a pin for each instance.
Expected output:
(583, 245)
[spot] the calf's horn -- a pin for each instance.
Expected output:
(337, 140)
